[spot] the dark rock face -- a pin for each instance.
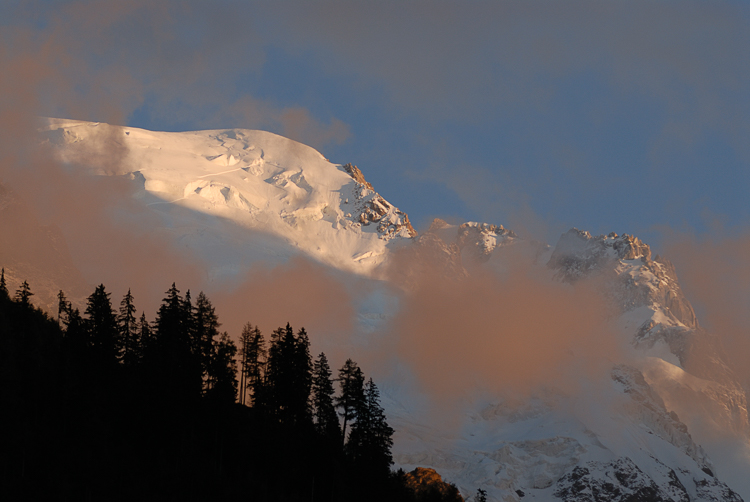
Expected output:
(357, 175)
(617, 481)
(370, 207)
(713, 490)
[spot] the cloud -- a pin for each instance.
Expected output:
(510, 331)
(292, 122)
(179, 63)
(301, 292)
(714, 272)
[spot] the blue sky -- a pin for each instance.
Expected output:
(631, 117)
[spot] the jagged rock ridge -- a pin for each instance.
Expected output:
(370, 207)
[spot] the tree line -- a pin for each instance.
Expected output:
(105, 404)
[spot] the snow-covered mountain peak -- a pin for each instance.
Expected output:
(657, 319)
(255, 179)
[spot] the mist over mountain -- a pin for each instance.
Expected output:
(574, 370)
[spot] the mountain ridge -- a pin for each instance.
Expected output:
(270, 185)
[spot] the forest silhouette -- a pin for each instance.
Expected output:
(107, 405)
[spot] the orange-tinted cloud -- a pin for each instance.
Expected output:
(300, 292)
(509, 331)
(714, 272)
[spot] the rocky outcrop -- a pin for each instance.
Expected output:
(477, 240)
(635, 279)
(428, 485)
(617, 481)
(578, 254)
(622, 480)
(357, 175)
(371, 208)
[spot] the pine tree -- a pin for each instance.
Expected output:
(289, 378)
(380, 435)
(223, 370)
(481, 495)
(145, 337)
(23, 294)
(352, 398)
(326, 419)
(301, 383)
(62, 308)
(270, 398)
(244, 342)
(128, 331)
(171, 352)
(101, 323)
(170, 320)
(76, 332)
(205, 332)
(187, 316)
(371, 438)
(3, 286)
(253, 360)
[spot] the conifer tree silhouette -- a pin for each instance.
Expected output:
(62, 307)
(289, 378)
(23, 294)
(128, 331)
(205, 333)
(301, 382)
(145, 337)
(102, 324)
(326, 419)
(376, 436)
(3, 286)
(352, 398)
(253, 362)
(223, 371)
(170, 354)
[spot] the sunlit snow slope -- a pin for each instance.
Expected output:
(277, 187)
